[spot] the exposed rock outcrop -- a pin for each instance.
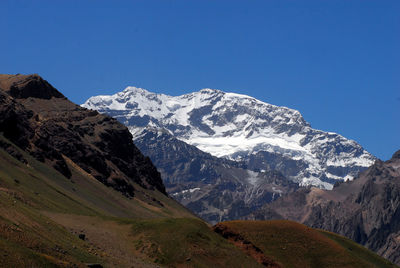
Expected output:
(39, 119)
(245, 245)
(28, 86)
(216, 189)
(367, 210)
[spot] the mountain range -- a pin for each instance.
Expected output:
(223, 155)
(367, 209)
(240, 127)
(76, 192)
(216, 189)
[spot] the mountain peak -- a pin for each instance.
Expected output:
(240, 127)
(131, 89)
(396, 155)
(24, 86)
(210, 91)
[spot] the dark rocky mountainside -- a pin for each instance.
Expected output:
(367, 210)
(40, 120)
(216, 189)
(28, 86)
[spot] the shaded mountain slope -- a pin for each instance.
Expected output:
(216, 189)
(367, 210)
(39, 119)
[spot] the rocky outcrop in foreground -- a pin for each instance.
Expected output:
(39, 119)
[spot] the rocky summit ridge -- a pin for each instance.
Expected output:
(240, 127)
(40, 120)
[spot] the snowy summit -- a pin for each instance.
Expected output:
(240, 127)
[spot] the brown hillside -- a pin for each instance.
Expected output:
(366, 210)
(290, 244)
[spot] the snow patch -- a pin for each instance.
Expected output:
(186, 191)
(252, 177)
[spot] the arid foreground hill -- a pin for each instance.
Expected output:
(367, 210)
(76, 192)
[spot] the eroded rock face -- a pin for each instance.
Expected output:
(40, 120)
(28, 86)
(367, 210)
(245, 245)
(216, 189)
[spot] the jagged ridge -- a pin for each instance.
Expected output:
(240, 127)
(40, 120)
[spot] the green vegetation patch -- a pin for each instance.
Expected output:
(186, 242)
(295, 245)
(358, 251)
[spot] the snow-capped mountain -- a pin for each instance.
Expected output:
(239, 127)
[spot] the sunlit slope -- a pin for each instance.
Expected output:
(291, 244)
(47, 189)
(42, 214)
(27, 237)
(35, 199)
(186, 243)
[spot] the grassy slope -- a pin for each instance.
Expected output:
(186, 242)
(357, 251)
(28, 238)
(295, 245)
(42, 213)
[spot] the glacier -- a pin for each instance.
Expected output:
(241, 128)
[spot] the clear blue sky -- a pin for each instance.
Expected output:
(337, 62)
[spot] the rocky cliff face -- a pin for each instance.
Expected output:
(214, 188)
(239, 127)
(366, 210)
(39, 119)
